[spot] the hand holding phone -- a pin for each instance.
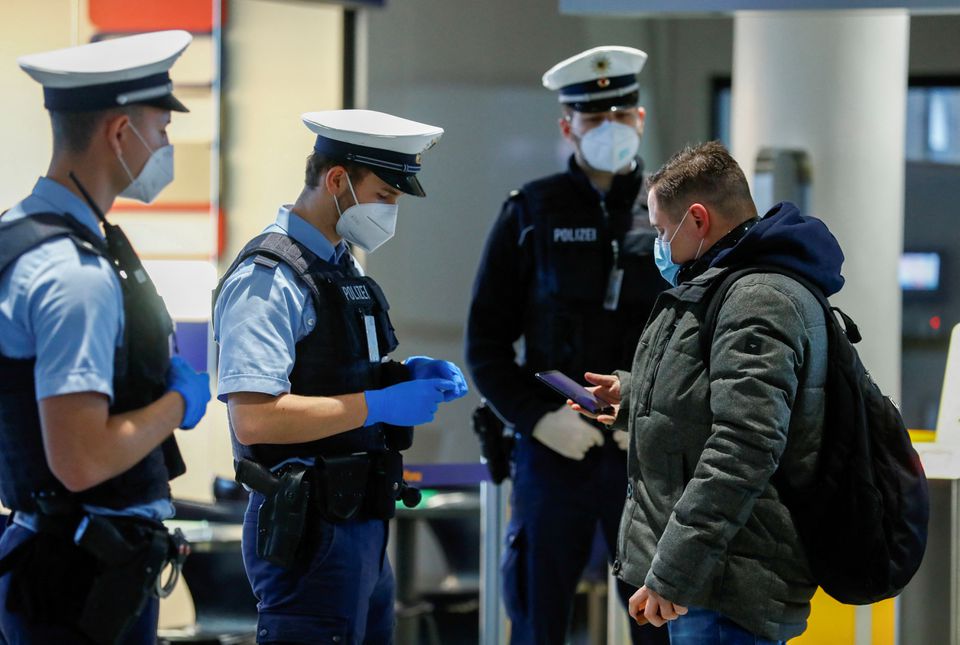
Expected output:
(574, 391)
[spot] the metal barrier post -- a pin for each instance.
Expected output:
(493, 521)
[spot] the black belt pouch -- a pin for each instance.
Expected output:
(342, 485)
(386, 482)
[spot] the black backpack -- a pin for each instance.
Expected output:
(863, 522)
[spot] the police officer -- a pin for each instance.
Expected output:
(318, 410)
(90, 396)
(555, 240)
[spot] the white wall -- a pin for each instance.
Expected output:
(282, 59)
(25, 138)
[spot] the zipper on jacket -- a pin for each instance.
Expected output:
(621, 535)
(656, 367)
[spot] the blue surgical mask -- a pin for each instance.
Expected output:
(663, 255)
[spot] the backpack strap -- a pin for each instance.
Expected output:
(22, 235)
(708, 325)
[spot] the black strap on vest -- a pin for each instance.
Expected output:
(21, 235)
(269, 250)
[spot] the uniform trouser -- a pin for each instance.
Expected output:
(15, 630)
(556, 507)
(340, 591)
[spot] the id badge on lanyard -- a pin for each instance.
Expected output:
(373, 346)
(611, 299)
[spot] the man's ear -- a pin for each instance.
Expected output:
(564, 124)
(701, 219)
(114, 129)
(334, 179)
(641, 119)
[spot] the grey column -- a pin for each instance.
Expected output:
(834, 83)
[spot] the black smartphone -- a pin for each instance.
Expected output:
(574, 391)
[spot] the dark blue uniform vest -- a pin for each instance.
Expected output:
(577, 240)
(334, 358)
(140, 368)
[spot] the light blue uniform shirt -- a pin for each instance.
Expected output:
(64, 307)
(261, 314)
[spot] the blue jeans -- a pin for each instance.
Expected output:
(705, 627)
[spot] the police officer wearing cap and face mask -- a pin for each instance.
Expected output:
(319, 411)
(568, 267)
(90, 395)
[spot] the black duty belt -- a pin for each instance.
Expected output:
(364, 486)
(93, 573)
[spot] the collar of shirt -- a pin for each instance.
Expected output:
(52, 196)
(308, 235)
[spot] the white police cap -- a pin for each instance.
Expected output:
(110, 73)
(389, 145)
(599, 79)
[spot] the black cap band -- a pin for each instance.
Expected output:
(108, 95)
(626, 101)
(601, 94)
(395, 162)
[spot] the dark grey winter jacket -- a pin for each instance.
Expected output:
(703, 524)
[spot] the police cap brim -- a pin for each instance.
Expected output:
(408, 184)
(168, 102)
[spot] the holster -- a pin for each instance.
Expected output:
(496, 441)
(98, 585)
(282, 517)
(131, 556)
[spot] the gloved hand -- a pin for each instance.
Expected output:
(622, 437)
(563, 431)
(193, 386)
(411, 403)
(422, 367)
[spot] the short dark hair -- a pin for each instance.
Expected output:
(703, 173)
(73, 131)
(318, 165)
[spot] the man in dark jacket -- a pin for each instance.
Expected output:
(704, 533)
(568, 267)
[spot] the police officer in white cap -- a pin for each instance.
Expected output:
(568, 267)
(90, 394)
(318, 410)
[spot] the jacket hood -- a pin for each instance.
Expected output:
(787, 239)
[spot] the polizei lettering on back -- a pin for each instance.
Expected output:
(355, 292)
(574, 235)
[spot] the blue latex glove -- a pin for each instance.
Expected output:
(406, 404)
(193, 386)
(422, 367)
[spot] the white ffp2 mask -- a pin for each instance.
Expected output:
(610, 147)
(156, 175)
(368, 226)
